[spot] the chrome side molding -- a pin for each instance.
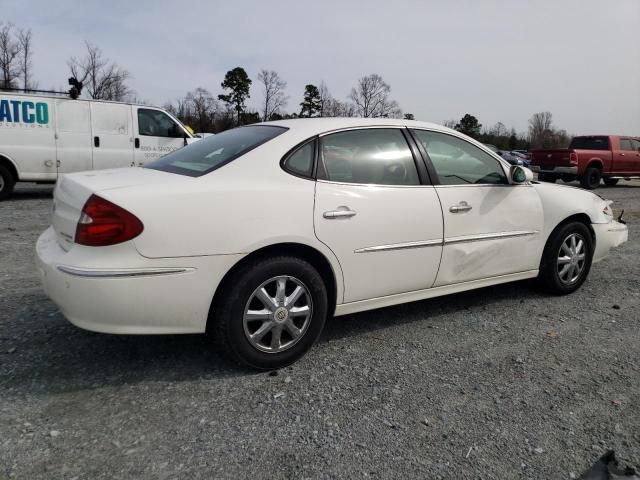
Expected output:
(400, 246)
(489, 236)
(447, 241)
(141, 272)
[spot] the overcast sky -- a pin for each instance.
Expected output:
(500, 60)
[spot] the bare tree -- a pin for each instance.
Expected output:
(541, 130)
(450, 124)
(202, 107)
(25, 54)
(181, 108)
(274, 97)
(101, 78)
(330, 107)
(9, 57)
(371, 98)
(500, 130)
(325, 98)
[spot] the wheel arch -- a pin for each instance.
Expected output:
(312, 255)
(10, 165)
(595, 162)
(580, 217)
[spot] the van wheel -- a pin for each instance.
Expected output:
(610, 182)
(591, 178)
(7, 182)
(270, 312)
(566, 259)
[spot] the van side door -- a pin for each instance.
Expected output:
(112, 140)
(155, 134)
(73, 136)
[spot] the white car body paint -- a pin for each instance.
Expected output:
(403, 244)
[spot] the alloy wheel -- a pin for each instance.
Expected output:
(277, 314)
(571, 258)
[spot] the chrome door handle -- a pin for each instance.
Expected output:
(342, 212)
(460, 208)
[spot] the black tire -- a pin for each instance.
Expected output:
(549, 276)
(547, 177)
(611, 182)
(7, 182)
(226, 318)
(591, 178)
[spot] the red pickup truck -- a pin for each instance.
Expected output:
(590, 159)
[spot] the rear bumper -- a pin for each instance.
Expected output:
(608, 236)
(556, 170)
(149, 296)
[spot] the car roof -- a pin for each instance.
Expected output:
(307, 127)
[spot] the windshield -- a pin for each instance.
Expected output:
(590, 143)
(213, 152)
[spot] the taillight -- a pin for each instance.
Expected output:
(104, 223)
(573, 158)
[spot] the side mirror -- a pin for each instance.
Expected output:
(520, 174)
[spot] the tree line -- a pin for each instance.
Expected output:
(97, 77)
(541, 133)
(370, 97)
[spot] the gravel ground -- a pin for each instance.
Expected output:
(503, 382)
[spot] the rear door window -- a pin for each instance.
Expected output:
(590, 143)
(379, 156)
(625, 144)
(208, 154)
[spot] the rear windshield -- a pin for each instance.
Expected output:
(590, 143)
(213, 152)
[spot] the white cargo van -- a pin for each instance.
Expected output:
(42, 137)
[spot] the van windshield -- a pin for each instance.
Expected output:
(210, 153)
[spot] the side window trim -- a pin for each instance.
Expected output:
(433, 175)
(320, 171)
(423, 172)
(292, 151)
(432, 170)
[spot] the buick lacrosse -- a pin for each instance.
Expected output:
(256, 235)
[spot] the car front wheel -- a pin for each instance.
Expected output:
(566, 259)
(270, 313)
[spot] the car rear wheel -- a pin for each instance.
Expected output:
(566, 260)
(611, 181)
(591, 178)
(7, 182)
(270, 312)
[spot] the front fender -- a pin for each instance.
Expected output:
(560, 202)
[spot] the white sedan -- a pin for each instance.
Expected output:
(257, 234)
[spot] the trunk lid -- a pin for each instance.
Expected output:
(73, 190)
